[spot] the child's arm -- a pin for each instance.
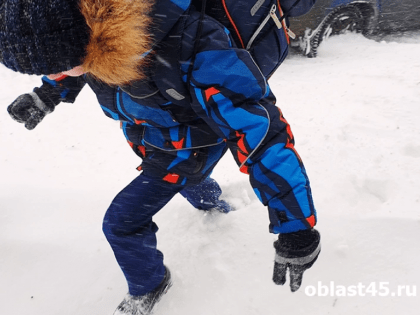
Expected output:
(232, 96)
(31, 108)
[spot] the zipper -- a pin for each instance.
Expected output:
(282, 22)
(291, 34)
(288, 32)
(279, 24)
(272, 15)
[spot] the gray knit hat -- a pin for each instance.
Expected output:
(42, 36)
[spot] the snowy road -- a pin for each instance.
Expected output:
(355, 114)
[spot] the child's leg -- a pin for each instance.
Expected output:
(129, 229)
(205, 196)
(128, 224)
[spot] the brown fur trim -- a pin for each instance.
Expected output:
(119, 36)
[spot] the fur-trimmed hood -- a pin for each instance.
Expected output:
(119, 38)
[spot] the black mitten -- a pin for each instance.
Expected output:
(297, 252)
(31, 108)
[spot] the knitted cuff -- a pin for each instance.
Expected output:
(297, 244)
(48, 96)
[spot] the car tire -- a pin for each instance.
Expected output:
(339, 21)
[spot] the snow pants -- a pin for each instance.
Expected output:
(130, 230)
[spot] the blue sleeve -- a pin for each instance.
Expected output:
(232, 96)
(226, 93)
(226, 87)
(64, 89)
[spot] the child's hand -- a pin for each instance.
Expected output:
(29, 110)
(297, 252)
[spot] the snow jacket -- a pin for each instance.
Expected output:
(222, 100)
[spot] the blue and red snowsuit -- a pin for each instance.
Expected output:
(181, 121)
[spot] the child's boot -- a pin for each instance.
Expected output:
(205, 196)
(143, 305)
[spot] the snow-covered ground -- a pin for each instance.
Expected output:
(355, 113)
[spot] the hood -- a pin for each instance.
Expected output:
(123, 32)
(119, 38)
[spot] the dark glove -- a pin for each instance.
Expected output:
(31, 108)
(297, 252)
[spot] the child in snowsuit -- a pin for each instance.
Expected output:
(182, 101)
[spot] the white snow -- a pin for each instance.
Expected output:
(355, 113)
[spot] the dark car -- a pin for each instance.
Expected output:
(369, 17)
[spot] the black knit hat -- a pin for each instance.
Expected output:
(42, 36)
